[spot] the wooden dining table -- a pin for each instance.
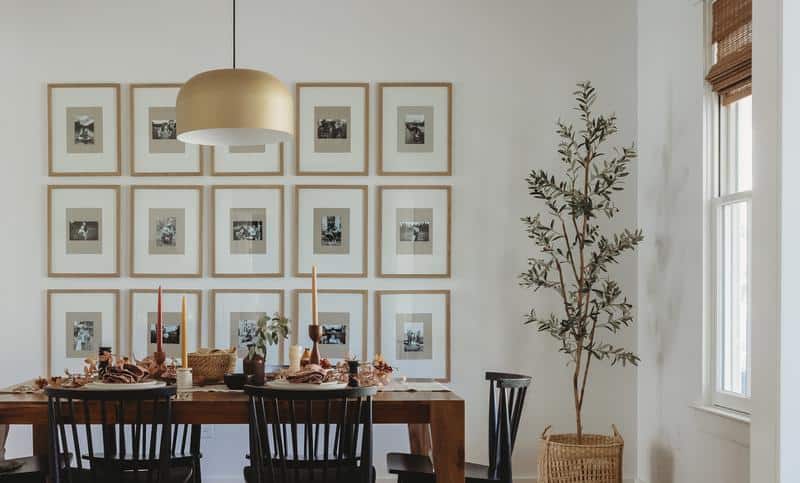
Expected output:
(435, 420)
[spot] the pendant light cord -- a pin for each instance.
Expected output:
(234, 33)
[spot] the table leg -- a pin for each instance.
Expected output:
(41, 444)
(419, 439)
(447, 430)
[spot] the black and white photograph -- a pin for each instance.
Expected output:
(335, 343)
(415, 129)
(332, 129)
(163, 129)
(331, 231)
(414, 231)
(172, 333)
(333, 334)
(414, 336)
(83, 333)
(166, 231)
(83, 128)
(163, 136)
(84, 230)
(248, 235)
(248, 230)
(243, 327)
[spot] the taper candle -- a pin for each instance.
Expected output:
(314, 313)
(184, 359)
(159, 324)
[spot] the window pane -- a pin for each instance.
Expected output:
(737, 149)
(734, 329)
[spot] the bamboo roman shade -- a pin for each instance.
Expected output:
(731, 75)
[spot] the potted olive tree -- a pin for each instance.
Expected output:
(573, 259)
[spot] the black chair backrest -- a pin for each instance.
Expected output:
(135, 441)
(506, 399)
(298, 436)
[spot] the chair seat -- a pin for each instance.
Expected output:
(316, 476)
(419, 468)
(33, 469)
(176, 475)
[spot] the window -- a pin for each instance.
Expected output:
(731, 214)
(730, 201)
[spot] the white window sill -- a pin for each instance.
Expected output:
(723, 423)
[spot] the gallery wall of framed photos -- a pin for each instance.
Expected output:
(363, 190)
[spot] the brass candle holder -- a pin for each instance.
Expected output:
(315, 334)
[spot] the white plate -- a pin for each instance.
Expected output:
(107, 386)
(290, 386)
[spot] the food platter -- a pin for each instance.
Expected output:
(107, 386)
(285, 385)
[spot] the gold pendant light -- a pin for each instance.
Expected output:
(234, 107)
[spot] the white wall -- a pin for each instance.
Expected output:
(513, 65)
(677, 443)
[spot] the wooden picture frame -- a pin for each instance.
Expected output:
(117, 136)
(51, 272)
(198, 235)
(379, 249)
(447, 329)
(212, 327)
(382, 128)
(299, 152)
(198, 313)
(280, 237)
(363, 239)
(135, 158)
(115, 293)
(215, 158)
(364, 309)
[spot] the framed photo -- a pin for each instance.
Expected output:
(343, 317)
(332, 132)
(331, 230)
(413, 332)
(247, 230)
(261, 160)
(234, 314)
(143, 314)
(155, 149)
(83, 129)
(79, 322)
(83, 230)
(166, 231)
(414, 228)
(415, 134)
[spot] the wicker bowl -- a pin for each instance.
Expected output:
(211, 365)
(598, 459)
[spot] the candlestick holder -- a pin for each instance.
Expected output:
(160, 357)
(315, 334)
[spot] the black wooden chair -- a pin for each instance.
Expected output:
(506, 399)
(304, 436)
(134, 443)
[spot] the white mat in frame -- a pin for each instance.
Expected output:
(79, 321)
(241, 307)
(337, 307)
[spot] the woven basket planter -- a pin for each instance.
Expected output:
(209, 366)
(598, 459)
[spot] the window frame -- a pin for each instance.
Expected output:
(717, 145)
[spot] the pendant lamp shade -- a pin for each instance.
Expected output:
(234, 107)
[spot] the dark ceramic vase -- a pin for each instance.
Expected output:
(254, 369)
